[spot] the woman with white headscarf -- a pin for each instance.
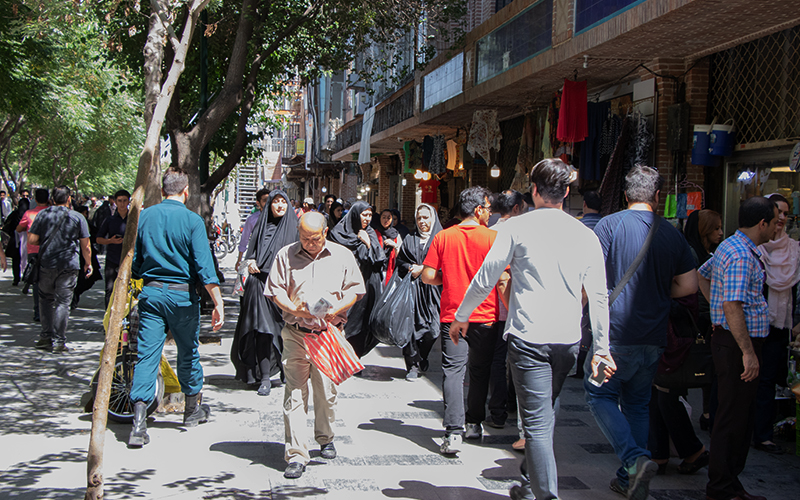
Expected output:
(781, 258)
(427, 298)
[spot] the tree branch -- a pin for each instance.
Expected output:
(158, 9)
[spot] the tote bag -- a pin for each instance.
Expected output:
(332, 354)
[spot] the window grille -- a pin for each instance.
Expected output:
(757, 84)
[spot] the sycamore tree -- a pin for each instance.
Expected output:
(68, 114)
(253, 47)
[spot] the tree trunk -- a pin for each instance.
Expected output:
(149, 157)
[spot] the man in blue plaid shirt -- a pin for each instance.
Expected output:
(733, 282)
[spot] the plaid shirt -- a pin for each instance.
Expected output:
(737, 275)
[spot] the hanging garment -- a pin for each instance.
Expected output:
(413, 156)
(427, 151)
(670, 206)
(610, 135)
(694, 201)
(438, 164)
(572, 116)
(547, 148)
(452, 155)
(644, 142)
(525, 160)
(612, 187)
(680, 210)
(484, 134)
(590, 166)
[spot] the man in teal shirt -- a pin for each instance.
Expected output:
(171, 254)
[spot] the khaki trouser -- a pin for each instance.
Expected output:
(298, 369)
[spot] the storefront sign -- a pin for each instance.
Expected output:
(794, 159)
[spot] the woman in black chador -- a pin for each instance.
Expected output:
(256, 343)
(355, 233)
(427, 298)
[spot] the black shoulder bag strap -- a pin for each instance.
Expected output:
(637, 261)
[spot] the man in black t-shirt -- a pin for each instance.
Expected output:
(110, 233)
(638, 329)
(61, 234)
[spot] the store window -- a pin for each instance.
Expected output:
(521, 38)
(589, 13)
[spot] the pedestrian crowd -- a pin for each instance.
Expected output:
(519, 294)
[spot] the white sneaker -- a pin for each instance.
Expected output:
(473, 431)
(451, 444)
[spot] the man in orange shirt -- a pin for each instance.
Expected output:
(454, 258)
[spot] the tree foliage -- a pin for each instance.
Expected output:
(75, 116)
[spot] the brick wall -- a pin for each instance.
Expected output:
(347, 187)
(384, 164)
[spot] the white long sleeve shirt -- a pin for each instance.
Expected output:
(552, 256)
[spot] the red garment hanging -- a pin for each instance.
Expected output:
(573, 121)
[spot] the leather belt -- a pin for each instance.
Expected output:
(178, 287)
(307, 330)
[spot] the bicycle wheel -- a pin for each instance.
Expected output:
(120, 406)
(220, 248)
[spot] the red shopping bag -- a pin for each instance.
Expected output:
(332, 354)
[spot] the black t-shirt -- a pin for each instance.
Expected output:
(112, 226)
(62, 242)
(640, 313)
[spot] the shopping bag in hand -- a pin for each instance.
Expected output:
(332, 354)
(241, 276)
(392, 317)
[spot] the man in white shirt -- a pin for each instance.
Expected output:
(552, 256)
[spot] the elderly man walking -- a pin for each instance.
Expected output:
(303, 274)
(552, 257)
(638, 319)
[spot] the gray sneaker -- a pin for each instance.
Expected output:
(451, 444)
(644, 470)
(473, 431)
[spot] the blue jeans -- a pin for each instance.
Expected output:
(621, 405)
(160, 310)
(539, 372)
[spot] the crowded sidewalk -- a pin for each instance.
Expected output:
(388, 432)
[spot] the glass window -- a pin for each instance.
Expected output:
(591, 12)
(521, 38)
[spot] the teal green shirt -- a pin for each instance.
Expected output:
(172, 246)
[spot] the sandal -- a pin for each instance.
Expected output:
(692, 467)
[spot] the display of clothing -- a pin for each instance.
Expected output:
(613, 184)
(427, 151)
(572, 115)
(591, 166)
(484, 134)
(438, 164)
(644, 141)
(452, 155)
(430, 190)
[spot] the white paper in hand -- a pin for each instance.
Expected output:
(319, 308)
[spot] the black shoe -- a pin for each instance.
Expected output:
(36, 318)
(60, 349)
(495, 424)
(771, 448)
(294, 470)
(517, 492)
(195, 413)
(692, 467)
(265, 388)
(327, 451)
(424, 365)
(139, 437)
(44, 344)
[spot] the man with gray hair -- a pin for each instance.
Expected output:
(544, 312)
(638, 319)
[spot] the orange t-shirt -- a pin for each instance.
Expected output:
(459, 252)
(27, 221)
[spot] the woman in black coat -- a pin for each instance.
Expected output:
(13, 247)
(354, 232)
(256, 343)
(427, 298)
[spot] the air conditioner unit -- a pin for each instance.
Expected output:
(362, 103)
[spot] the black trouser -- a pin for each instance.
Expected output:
(110, 274)
(498, 382)
(668, 419)
(772, 371)
(735, 416)
(417, 351)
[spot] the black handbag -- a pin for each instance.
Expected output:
(697, 366)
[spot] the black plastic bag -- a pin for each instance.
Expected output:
(392, 317)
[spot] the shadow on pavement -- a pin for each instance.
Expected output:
(430, 405)
(268, 454)
(425, 491)
(382, 373)
(421, 436)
